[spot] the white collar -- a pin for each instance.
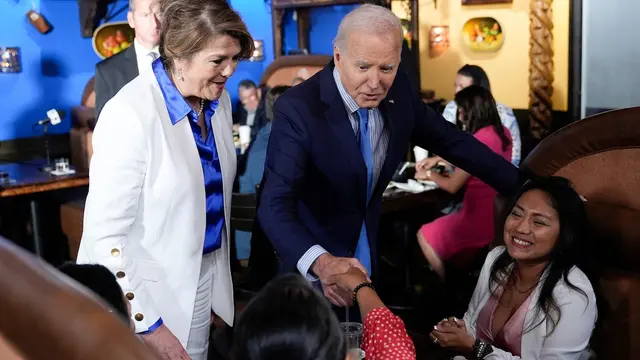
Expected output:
(143, 51)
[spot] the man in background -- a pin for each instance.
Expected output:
(250, 110)
(116, 71)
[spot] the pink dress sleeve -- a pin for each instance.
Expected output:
(385, 337)
(489, 137)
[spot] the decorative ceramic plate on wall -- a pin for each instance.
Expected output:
(112, 38)
(483, 34)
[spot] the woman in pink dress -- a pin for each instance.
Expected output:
(471, 228)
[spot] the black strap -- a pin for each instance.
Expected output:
(360, 286)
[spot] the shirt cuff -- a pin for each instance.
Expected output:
(152, 328)
(305, 262)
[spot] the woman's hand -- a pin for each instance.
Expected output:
(165, 344)
(350, 279)
(426, 164)
(452, 333)
(423, 175)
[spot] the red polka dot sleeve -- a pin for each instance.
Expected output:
(385, 337)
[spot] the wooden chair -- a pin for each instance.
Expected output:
(601, 156)
(47, 316)
(243, 211)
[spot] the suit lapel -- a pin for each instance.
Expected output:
(130, 67)
(338, 119)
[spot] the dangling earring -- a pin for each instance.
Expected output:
(179, 73)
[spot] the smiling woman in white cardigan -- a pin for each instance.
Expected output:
(533, 299)
(161, 178)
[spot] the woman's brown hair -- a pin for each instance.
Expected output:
(188, 25)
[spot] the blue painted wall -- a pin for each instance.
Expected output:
(323, 24)
(56, 66)
(257, 15)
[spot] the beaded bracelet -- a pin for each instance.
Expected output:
(360, 286)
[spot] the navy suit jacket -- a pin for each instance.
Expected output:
(314, 185)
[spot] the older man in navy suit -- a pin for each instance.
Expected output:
(336, 141)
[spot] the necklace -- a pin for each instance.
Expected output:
(201, 107)
(527, 290)
(515, 284)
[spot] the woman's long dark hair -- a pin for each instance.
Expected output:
(479, 109)
(572, 248)
(477, 75)
(288, 320)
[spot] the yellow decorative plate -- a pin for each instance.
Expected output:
(483, 34)
(112, 38)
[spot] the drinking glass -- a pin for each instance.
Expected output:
(353, 338)
(62, 165)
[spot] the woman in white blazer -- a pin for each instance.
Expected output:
(161, 178)
(533, 299)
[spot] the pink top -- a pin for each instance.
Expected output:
(509, 337)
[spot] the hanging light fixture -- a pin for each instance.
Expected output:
(258, 52)
(438, 40)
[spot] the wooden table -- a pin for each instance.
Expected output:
(28, 179)
(396, 199)
(399, 212)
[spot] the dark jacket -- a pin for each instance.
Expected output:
(112, 74)
(314, 186)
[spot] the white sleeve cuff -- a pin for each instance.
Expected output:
(305, 262)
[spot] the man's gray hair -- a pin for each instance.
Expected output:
(372, 19)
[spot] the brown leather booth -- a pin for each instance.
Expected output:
(48, 316)
(82, 123)
(284, 69)
(80, 137)
(601, 156)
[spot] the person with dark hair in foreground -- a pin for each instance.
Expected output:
(534, 298)
(102, 282)
(288, 319)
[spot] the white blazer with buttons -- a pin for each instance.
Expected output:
(145, 213)
(569, 340)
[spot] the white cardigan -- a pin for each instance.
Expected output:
(569, 340)
(145, 214)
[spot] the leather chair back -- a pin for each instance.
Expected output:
(284, 69)
(48, 316)
(601, 156)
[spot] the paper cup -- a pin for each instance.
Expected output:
(420, 153)
(245, 134)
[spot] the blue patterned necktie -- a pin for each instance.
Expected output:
(363, 252)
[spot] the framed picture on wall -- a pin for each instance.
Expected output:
(484, 2)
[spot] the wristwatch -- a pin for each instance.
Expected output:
(481, 349)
